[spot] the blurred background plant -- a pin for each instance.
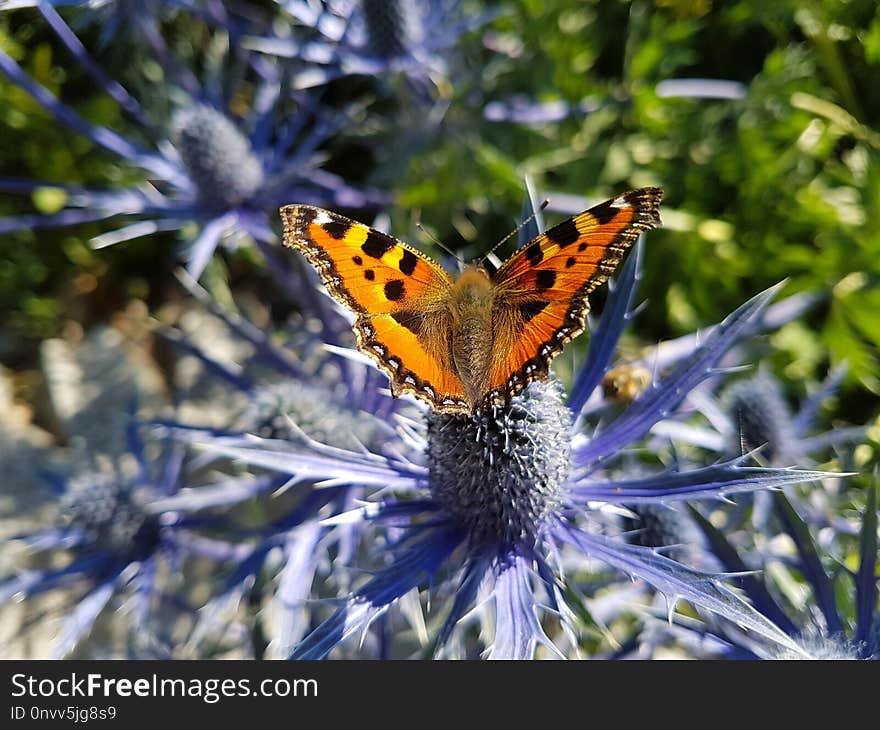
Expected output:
(185, 123)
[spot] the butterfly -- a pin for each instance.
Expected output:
(466, 344)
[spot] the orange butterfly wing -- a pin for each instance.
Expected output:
(397, 293)
(541, 291)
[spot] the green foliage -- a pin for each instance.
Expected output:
(51, 276)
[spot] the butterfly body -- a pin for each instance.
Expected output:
(470, 309)
(465, 344)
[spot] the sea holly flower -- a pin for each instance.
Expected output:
(271, 392)
(753, 413)
(753, 416)
(838, 618)
(376, 38)
(117, 540)
(227, 174)
(489, 504)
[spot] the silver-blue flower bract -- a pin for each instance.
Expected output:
(113, 536)
(382, 40)
(819, 626)
(498, 502)
(228, 175)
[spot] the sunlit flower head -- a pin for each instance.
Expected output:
(113, 541)
(492, 505)
(223, 161)
(374, 38)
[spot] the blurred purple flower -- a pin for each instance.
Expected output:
(377, 38)
(116, 536)
(227, 175)
(521, 109)
(141, 16)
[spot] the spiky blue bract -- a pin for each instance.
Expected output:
(488, 502)
(226, 173)
(619, 309)
(660, 400)
(828, 633)
(115, 535)
(708, 482)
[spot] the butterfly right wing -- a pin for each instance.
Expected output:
(542, 289)
(399, 295)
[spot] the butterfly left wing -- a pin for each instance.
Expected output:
(397, 293)
(541, 291)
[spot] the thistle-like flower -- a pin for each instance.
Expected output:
(753, 414)
(823, 626)
(226, 172)
(497, 502)
(375, 38)
(272, 393)
(117, 538)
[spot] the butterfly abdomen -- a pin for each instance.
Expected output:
(471, 336)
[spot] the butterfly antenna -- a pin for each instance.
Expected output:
(515, 230)
(439, 243)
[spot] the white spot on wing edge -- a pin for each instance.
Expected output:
(322, 218)
(620, 202)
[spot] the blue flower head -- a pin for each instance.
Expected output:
(754, 414)
(375, 38)
(114, 533)
(110, 516)
(756, 405)
(494, 503)
(226, 173)
(501, 474)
